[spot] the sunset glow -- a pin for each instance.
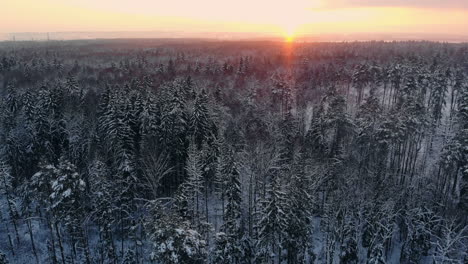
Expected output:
(281, 18)
(233, 131)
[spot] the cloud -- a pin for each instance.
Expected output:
(396, 3)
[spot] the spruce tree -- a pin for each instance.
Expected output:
(190, 191)
(272, 223)
(299, 213)
(173, 239)
(201, 125)
(229, 248)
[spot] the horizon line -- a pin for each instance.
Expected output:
(230, 35)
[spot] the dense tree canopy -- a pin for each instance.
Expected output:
(198, 151)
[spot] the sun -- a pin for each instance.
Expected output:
(289, 34)
(290, 29)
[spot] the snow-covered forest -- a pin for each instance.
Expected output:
(192, 151)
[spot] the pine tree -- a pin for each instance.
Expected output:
(395, 77)
(174, 241)
(171, 70)
(373, 149)
(201, 125)
(228, 242)
(189, 195)
(173, 132)
(455, 154)
(339, 123)
(125, 152)
(233, 204)
(272, 223)
(72, 86)
(361, 78)
(437, 98)
(315, 138)
(457, 87)
(104, 210)
(222, 170)
(6, 188)
(68, 190)
(188, 91)
(11, 100)
(299, 214)
(39, 188)
(288, 130)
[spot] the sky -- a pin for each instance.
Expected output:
(283, 18)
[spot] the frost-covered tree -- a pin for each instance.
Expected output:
(361, 78)
(338, 123)
(229, 248)
(437, 99)
(104, 210)
(272, 223)
(201, 125)
(173, 129)
(173, 239)
(66, 197)
(417, 229)
(299, 204)
(325, 152)
(189, 195)
(6, 189)
(232, 215)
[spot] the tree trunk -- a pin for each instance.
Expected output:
(59, 237)
(52, 237)
(33, 245)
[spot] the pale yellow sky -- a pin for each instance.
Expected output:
(263, 16)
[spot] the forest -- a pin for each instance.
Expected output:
(161, 151)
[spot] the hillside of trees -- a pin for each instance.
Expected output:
(200, 151)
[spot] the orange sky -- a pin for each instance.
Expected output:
(263, 16)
